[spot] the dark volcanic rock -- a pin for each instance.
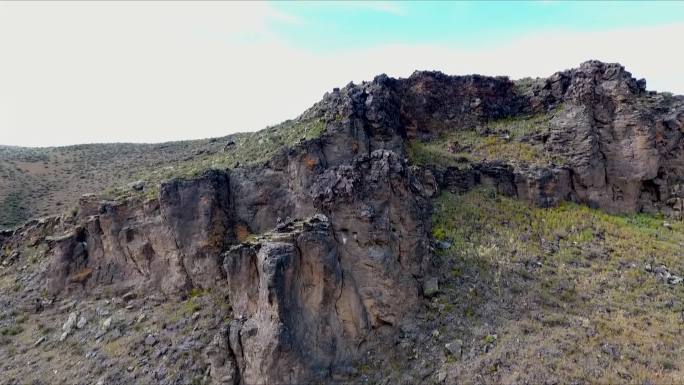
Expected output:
(307, 296)
(326, 246)
(301, 308)
(622, 143)
(287, 290)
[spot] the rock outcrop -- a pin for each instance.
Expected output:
(326, 246)
(306, 294)
(623, 144)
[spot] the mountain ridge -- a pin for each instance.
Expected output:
(28, 190)
(401, 211)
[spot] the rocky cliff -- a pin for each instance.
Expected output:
(325, 252)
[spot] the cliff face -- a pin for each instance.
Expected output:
(623, 145)
(325, 250)
(346, 255)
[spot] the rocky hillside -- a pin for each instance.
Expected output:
(38, 182)
(434, 229)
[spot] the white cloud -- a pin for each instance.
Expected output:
(142, 72)
(390, 7)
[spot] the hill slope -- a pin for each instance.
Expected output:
(434, 229)
(37, 182)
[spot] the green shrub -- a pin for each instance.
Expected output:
(11, 330)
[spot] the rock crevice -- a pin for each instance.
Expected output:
(322, 248)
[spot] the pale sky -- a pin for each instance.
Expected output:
(77, 72)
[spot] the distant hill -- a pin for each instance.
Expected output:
(36, 182)
(430, 230)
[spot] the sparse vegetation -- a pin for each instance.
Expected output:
(36, 182)
(11, 330)
(511, 293)
(516, 140)
(118, 347)
(570, 280)
(524, 85)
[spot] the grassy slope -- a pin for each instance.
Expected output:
(511, 139)
(42, 181)
(559, 294)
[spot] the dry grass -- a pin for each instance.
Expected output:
(36, 182)
(514, 140)
(242, 232)
(310, 162)
(565, 290)
(81, 276)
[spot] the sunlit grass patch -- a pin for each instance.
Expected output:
(249, 149)
(581, 297)
(517, 140)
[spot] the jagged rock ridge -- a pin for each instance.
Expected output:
(324, 249)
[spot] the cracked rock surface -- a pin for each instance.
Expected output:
(292, 271)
